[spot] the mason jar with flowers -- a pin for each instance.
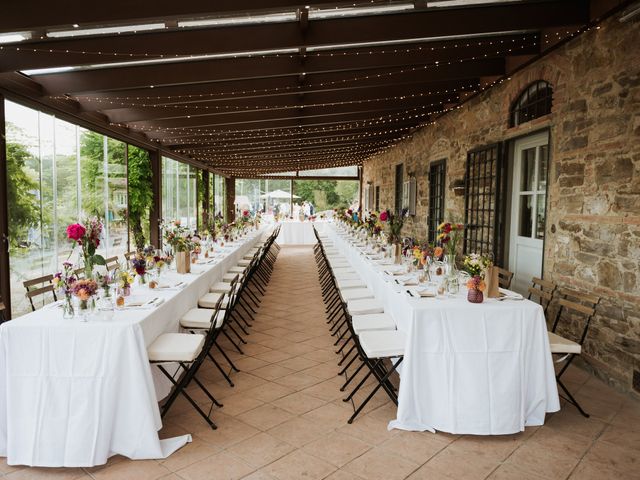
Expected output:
(394, 228)
(85, 291)
(139, 265)
(63, 282)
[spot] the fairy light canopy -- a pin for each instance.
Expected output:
(262, 87)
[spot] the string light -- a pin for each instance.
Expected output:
(131, 101)
(345, 53)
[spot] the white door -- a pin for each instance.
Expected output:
(528, 209)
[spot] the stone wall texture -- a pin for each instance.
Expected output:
(593, 207)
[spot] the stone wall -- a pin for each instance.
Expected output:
(593, 209)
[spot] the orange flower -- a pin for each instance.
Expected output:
(437, 252)
(83, 294)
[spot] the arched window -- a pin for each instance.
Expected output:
(533, 102)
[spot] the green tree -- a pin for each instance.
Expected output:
(22, 187)
(140, 193)
(92, 173)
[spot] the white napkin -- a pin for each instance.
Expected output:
(509, 295)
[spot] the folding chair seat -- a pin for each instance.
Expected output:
(220, 287)
(244, 262)
(346, 284)
(199, 319)
(237, 269)
(563, 345)
(356, 294)
(364, 307)
(371, 322)
(346, 276)
(383, 344)
(175, 347)
(209, 300)
(228, 277)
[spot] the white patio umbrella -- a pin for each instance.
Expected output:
(280, 194)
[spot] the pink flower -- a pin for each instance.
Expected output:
(384, 216)
(245, 213)
(76, 231)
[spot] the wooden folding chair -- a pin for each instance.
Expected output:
(571, 303)
(111, 263)
(40, 286)
(542, 291)
(504, 278)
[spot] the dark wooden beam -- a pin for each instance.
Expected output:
(39, 14)
(430, 22)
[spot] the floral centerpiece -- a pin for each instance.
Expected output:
(139, 265)
(179, 238)
(449, 236)
(476, 286)
(85, 290)
(125, 280)
(104, 282)
(373, 226)
(476, 265)
(63, 282)
(87, 236)
(394, 224)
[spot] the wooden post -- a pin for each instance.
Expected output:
(230, 190)
(5, 278)
(155, 215)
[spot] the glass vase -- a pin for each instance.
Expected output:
(67, 307)
(86, 308)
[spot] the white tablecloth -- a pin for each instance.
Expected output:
(296, 233)
(481, 369)
(73, 394)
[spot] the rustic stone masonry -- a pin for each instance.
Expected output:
(593, 207)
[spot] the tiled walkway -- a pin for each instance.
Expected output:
(285, 418)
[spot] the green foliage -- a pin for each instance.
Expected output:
(24, 206)
(326, 194)
(92, 173)
(140, 193)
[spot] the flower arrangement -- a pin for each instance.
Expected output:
(125, 279)
(475, 287)
(373, 226)
(63, 281)
(476, 283)
(85, 290)
(449, 236)
(476, 265)
(104, 282)
(178, 237)
(394, 224)
(139, 264)
(87, 236)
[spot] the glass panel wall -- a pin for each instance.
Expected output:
(59, 173)
(219, 195)
(179, 200)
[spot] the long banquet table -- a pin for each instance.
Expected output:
(482, 369)
(73, 394)
(295, 232)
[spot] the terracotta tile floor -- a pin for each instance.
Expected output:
(285, 419)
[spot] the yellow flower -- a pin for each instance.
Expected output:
(441, 226)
